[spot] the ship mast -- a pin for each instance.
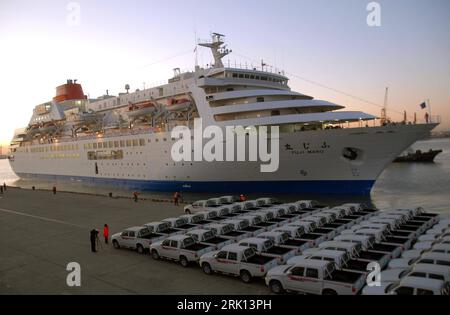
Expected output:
(218, 49)
(384, 118)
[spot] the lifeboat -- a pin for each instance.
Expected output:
(41, 130)
(141, 109)
(174, 105)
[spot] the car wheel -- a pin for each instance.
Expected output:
(140, 249)
(276, 287)
(329, 292)
(184, 262)
(207, 268)
(246, 277)
(155, 255)
(116, 244)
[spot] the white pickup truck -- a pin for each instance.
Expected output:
(243, 225)
(282, 239)
(162, 228)
(201, 205)
(180, 224)
(180, 248)
(314, 277)
(266, 247)
(227, 230)
(237, 260)
(138, 238)
(196, 219)
(256, 220)
(209, 237)
(228, 200)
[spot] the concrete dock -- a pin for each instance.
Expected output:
(40, 233)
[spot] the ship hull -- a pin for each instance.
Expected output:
(310, 162)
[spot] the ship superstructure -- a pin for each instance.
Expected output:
(126, 139)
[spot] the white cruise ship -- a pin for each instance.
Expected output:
(125, 140)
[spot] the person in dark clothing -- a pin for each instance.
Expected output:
(175, 198)
(94, 236)
(54, 190)
(4, 186)
(106, 233)
(135, 196)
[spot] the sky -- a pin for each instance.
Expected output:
(135, 42)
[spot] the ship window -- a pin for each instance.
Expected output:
(241, 76)
(247, 76)
(135, 143)
(252, 77)
(128, 143)
(235, 75)
(264, 78)
(257, 77)
(260, 99)
(142, 142)
(122, 143)
(116, 144)
(110, 144)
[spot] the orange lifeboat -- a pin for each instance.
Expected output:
(69, 91)
(139, 109)
(177, 105)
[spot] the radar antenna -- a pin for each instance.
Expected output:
(218, 49)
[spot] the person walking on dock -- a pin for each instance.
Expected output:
(135, 196)
(94, 237)
(175, 198)
(4, 186)
(54, 190)
(106, 233)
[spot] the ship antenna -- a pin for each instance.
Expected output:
(196, 49)
(216, 48)
(384, 109)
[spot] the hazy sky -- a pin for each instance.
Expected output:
(327, 41)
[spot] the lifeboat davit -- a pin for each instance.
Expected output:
(174, 105)
(141, 109)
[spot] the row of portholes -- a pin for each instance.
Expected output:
(122, 164)
(182, 164)
(123, 175)
(131, 153)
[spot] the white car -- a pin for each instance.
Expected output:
(267, 247)
(138, 238)
(410, 286)
(402, 263)
(412, 253)
(237, 260)
(180, 248)
(314, 277)
(418, 270)
(339, 258)
(441, 248)
(366, 241)
(435, 259)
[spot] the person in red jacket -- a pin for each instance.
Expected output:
(106, 233)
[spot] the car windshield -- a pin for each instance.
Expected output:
(227, 229)
(197, 218)
(208, 235)
(188, 242)
(145, 232)
(180, 222)
(268, 244)
(164, 226)
(284, 237)
(249, 252)
(244, 224)
(194, 236)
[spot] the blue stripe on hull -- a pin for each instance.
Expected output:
(335, 187)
